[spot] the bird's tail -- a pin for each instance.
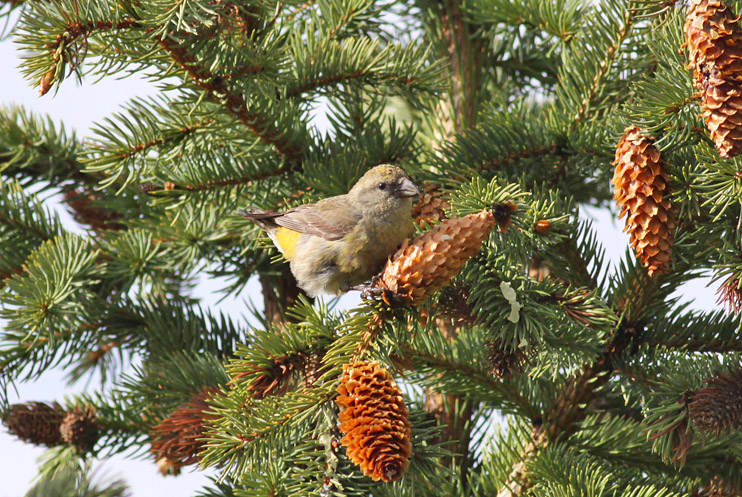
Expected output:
(249, 213)
(262, 218)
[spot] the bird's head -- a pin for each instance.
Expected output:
(384, 188)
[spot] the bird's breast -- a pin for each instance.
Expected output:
(368, 247)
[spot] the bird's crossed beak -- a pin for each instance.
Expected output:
(407, 189)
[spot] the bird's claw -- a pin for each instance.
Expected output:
(369, 291)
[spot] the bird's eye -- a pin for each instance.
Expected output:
(382, 186)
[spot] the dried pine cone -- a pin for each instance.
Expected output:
(35, 422)
(453, 303)
(80, 429)
(431, 208)
(374, 421)
(176, 439)
(84, 211)
(278, 378)
(641, 186)
(715, 42)
(717, 407)
(431, 260)
(504, 362)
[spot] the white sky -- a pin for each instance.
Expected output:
(78, 107)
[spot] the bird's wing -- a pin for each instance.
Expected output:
(331, 218)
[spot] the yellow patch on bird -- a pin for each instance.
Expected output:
(286, 240)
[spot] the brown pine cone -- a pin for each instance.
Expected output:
(431, 207)
(35, 422)
(176, 439)
(717, 407)
(641, 188)
(374, 420)
(503, 362)
(715, 42)
(431, 260)
(79, 428)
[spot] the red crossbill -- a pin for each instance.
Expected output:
(342, 241)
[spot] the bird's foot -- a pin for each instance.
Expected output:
(369, 291)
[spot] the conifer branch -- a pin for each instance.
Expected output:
(330, 79)
(28, 227)
(235, 104)
(578, 268)
(517, 483)
(77, 30)
(482, 377)
(605, 67)
(219, 183)
(17, 270)
(172, 137)
(494, 164)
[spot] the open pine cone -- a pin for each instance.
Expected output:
(35, 422)
(80, 429)
(430, 261)
(641, 188)
(176, 440)
(715, 41)
(374, 421)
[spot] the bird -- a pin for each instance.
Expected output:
(342, 241)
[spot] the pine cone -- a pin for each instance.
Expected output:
(453, 303)
(431, 260)
(717, 407)
(504, 362)
(641, 186)
(79, 428)
(84, 211)
(715, 42)
(374, 421)
(35, 422)
(176, 439)
(431, 208)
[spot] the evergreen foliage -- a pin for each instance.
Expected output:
(598, 383)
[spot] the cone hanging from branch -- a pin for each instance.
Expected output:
(430, 261)
(641, 190)
(80, 429)
(35, 422)
(717, 407)
(504, 362)
(374, 419)
(715, 42)
(176, 440)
